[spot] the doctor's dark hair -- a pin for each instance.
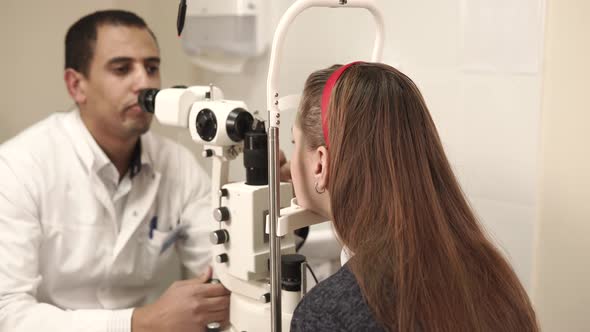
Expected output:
(81, 36)
(421, 257)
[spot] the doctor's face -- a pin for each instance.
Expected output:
(125, 61)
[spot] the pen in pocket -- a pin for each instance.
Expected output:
(153, 225)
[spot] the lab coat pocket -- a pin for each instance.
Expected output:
(154, 257)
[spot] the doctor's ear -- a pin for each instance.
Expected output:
(75, 83)
(320, 171)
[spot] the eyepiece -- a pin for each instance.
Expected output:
(239, 121)
(206, 124)
(147, 99)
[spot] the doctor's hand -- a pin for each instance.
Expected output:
(188, 305)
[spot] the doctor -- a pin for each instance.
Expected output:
(93, 206)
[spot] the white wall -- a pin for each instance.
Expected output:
(31, 60)
(32, 57)
(562, 287)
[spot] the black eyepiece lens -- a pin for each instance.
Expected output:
(206, 123)
(147, 100)
(239, 122)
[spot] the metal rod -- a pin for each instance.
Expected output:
(275, 241)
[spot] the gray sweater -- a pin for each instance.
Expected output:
(335, 304)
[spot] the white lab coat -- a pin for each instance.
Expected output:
(64, 263)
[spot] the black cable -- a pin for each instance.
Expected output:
(312, 274)
(302, 233)
(181, 17)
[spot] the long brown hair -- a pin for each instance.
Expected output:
(420, 256)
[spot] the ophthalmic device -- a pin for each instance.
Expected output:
(226, 128)
(254, 249)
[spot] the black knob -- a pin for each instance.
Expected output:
(214, 327)
(223, 258)
(207, 153)
(223, 192)
(219, 236)
(265, 298)
(221, 214)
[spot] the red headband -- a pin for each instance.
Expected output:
(326, 96)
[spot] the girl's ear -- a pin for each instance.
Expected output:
(320, 170)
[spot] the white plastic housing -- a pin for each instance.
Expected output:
(247, 247)
(172, 106)
(221, 109)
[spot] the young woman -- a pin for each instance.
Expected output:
(368, 156)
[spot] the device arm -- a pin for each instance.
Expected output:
(272, 92)
(274, 122)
